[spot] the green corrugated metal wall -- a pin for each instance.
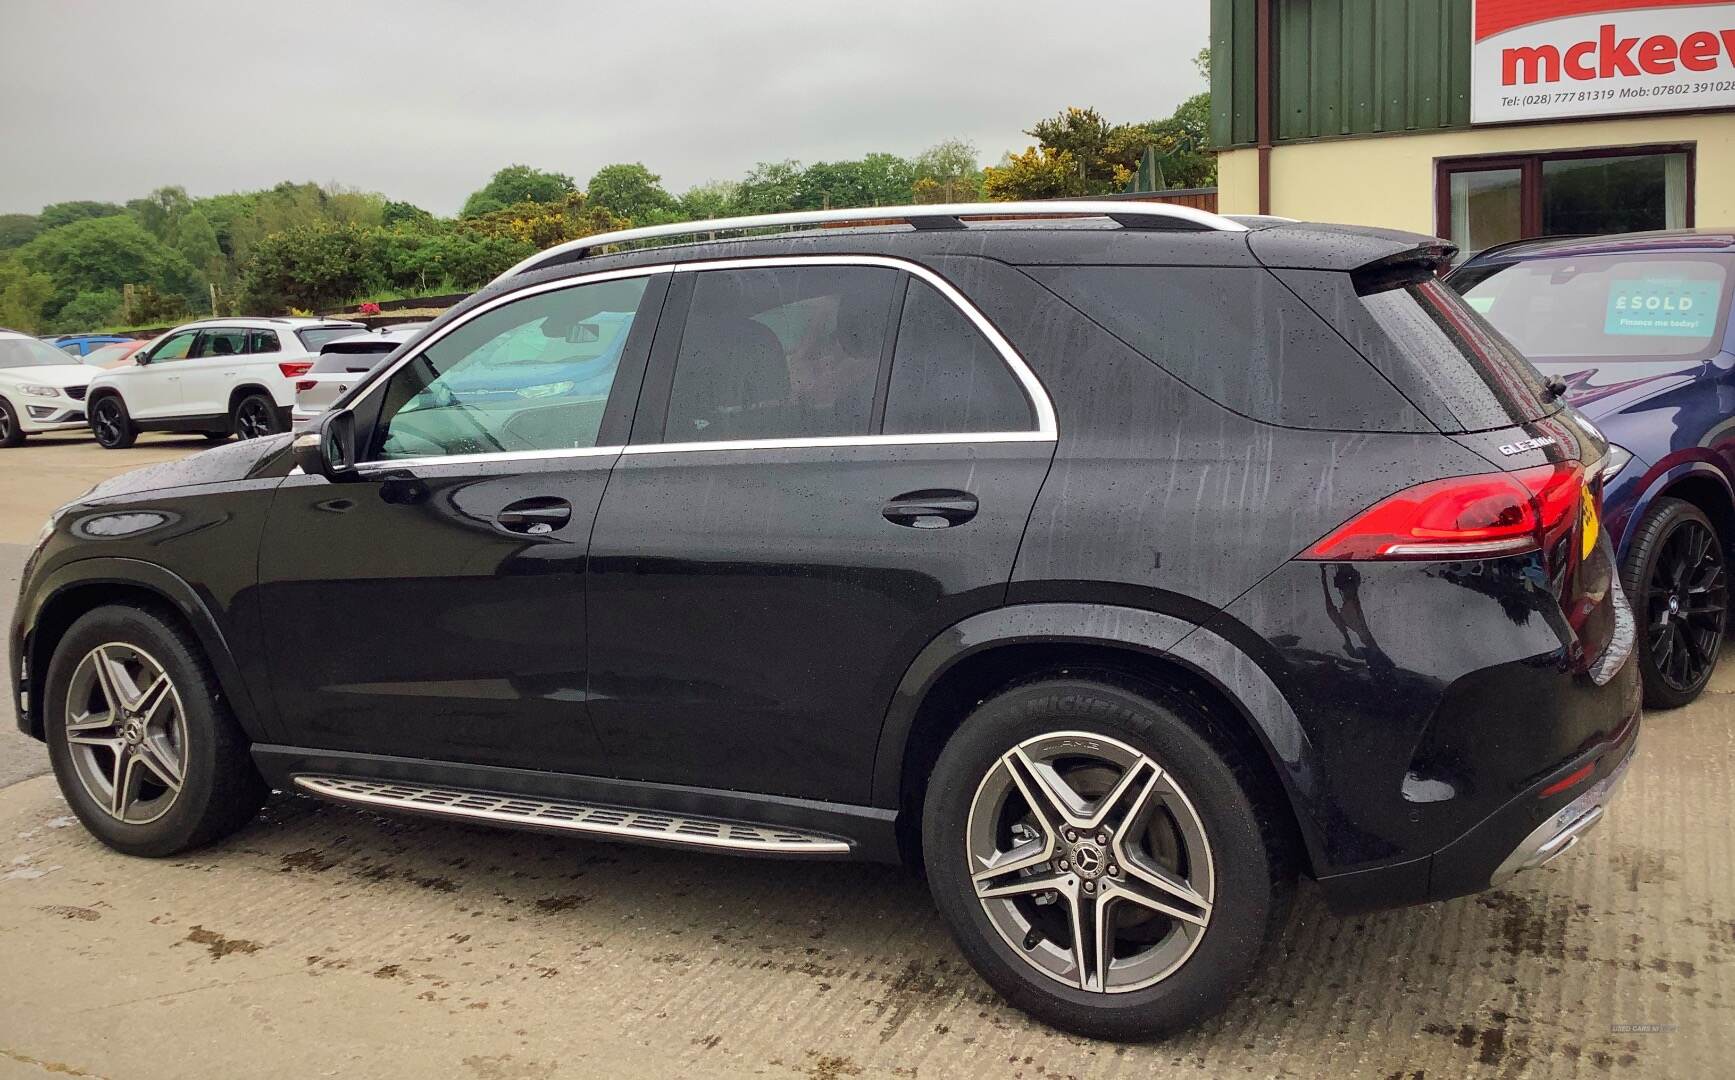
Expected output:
(1343, 67)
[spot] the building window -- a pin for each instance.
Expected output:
(1484, 201)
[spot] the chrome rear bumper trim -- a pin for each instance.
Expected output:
(1561, 832)
(564, 815)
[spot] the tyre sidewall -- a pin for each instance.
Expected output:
(180, 826)
(128, 434)
(1245, 906)
(14, 426)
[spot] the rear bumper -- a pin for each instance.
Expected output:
(1528, 831)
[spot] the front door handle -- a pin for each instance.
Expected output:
(535, 517)
(931, 509)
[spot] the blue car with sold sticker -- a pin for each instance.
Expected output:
(1634, 331)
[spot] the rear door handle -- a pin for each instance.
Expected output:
(535, 517)
(931, 509)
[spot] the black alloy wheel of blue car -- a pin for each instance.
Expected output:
(1679, 582)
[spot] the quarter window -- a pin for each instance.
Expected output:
(946, 377)
(780, 353)
(534, 374)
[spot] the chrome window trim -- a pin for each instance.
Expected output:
(1042, 405)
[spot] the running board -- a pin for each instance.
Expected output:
(565, 815)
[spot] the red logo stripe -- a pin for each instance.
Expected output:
(1497, 16)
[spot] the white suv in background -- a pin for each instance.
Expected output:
(41, 388)
(218, 377)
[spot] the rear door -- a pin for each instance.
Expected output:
(435, 607)
(833, 461)
(212, 371)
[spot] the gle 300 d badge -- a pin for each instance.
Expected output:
(1528, 444)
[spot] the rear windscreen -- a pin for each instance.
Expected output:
(314, 337)
(1604, 307)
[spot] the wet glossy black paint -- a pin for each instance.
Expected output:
(747, 625)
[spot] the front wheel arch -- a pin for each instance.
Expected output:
(89, 584)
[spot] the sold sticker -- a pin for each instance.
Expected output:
(1662, 307)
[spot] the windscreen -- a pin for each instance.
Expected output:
(1604, 307)
(23, 352)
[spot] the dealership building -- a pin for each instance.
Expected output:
(1480, 120)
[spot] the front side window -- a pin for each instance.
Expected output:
(225, 341)
(946, 377)
(175, 347)
(780, 353)
(534, 374)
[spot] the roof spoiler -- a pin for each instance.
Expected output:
(1421, 263)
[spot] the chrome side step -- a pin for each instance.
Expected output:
(612, 822)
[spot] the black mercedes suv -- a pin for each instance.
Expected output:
(1116, 563)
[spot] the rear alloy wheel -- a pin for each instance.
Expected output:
(11, 431)
(256, 417)
(1678, 580)
(1100, 858)
(109, 422)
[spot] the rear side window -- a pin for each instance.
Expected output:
(946, 377)
(780, 353)
(222, 341)
(262, 341)
(1242, 339)
(1603, 307)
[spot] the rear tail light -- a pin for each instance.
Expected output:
(1463, 517)
(304, 384)
(292, 368)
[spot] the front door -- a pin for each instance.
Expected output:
(832, 464)
(152, 388)
(435, 607)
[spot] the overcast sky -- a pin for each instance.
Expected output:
(107, 99)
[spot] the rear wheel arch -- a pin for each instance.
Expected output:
(1705, 490)
(248, 390)
(87, 588)
(925, 715)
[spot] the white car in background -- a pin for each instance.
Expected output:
(341, 364)
(41, 388)
(217, 378)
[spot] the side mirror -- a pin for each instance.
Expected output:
(327, 447)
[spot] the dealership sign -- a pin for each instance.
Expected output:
(1544, 59)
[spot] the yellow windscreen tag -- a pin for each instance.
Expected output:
(1591, 525)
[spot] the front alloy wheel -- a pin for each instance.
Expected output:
(1090, 862)
(126, 732)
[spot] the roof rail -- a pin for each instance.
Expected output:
(1127, 214)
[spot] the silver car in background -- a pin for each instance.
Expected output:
(342, 363)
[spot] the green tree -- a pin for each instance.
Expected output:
(54, 215)
(712, 199)
(196, 240)
(1038, 173)
(106, 253)
(879, 179)
(89, 310)
(159, 211)
(770, 187)
(1183, 143)
(403, 213)
(631, 191)
(16, 230)
(313, 267)
(23, 295)
(516, 184)
(947, 172)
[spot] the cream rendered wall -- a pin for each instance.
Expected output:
(1389, 180)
